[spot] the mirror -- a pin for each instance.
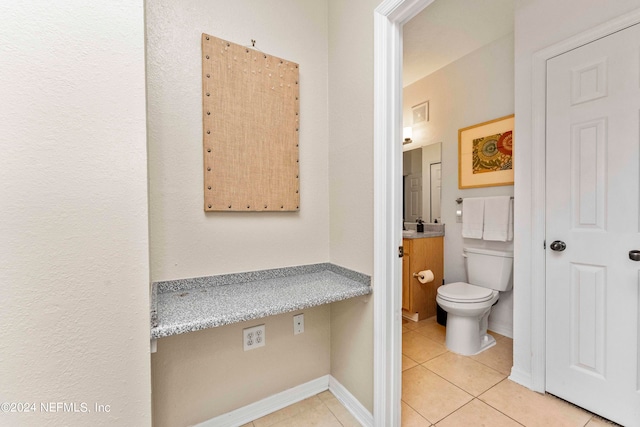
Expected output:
(421, 181)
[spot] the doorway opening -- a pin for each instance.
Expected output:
(391, 17)
(456, 56)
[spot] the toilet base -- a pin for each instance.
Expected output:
(463, 336)
(486, 342)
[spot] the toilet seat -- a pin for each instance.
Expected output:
(462, 292)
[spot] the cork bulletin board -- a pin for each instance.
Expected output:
(251, 117)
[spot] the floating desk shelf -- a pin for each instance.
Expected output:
(180, 306)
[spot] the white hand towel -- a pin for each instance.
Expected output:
(496, 218)
(472, 217)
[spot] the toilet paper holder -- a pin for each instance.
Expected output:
(424, 276)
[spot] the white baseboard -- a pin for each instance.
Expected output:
(352, 404)
(520, 377)
(502, 328)
(269, 404)
(288, 397)
(410, 316)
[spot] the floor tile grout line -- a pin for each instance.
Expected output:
(416, 411)
(498, 410)
(490, 405)
(413, 360)
(460, 388)
(482, 401)
(542, 394)
(423, 336)
(485, 363)
(435, 357)
(457, 386)
(593, 415)
(333, 413)
(306, 411)
(471, 357)
(294, 415)
(416, 331)
(447, 416)
(431, 370)
(490, 366)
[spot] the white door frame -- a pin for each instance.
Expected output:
(389, 18)
(538, 194)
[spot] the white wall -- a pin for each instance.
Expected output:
(539, 24)
(74, 266)
(199, 370)
(474, 89)
(351, 186)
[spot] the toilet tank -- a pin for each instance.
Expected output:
(489, 268)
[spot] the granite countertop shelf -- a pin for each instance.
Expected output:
(186, 305)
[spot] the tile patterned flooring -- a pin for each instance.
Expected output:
(443, 389)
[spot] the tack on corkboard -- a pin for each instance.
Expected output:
(251, 122)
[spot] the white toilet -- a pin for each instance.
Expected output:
(468, 304)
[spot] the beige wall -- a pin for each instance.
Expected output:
(200, 375)
(351, 186)
(476, 88)
(186, 242)
(74, 265)
(539, 24)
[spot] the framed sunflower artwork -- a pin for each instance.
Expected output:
(485, 154)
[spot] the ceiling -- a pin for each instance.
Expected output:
(447, 30)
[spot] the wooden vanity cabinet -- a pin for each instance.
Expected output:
(421, 254)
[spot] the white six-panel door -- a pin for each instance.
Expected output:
(592, 206)
(413, 197)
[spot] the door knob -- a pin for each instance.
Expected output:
(634, 255)
(558, 245)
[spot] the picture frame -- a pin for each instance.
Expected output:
(420, 113)
(485, 154)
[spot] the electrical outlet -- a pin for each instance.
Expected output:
(298, 324)
(254, 337)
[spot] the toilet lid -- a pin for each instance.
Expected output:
(464, 292)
